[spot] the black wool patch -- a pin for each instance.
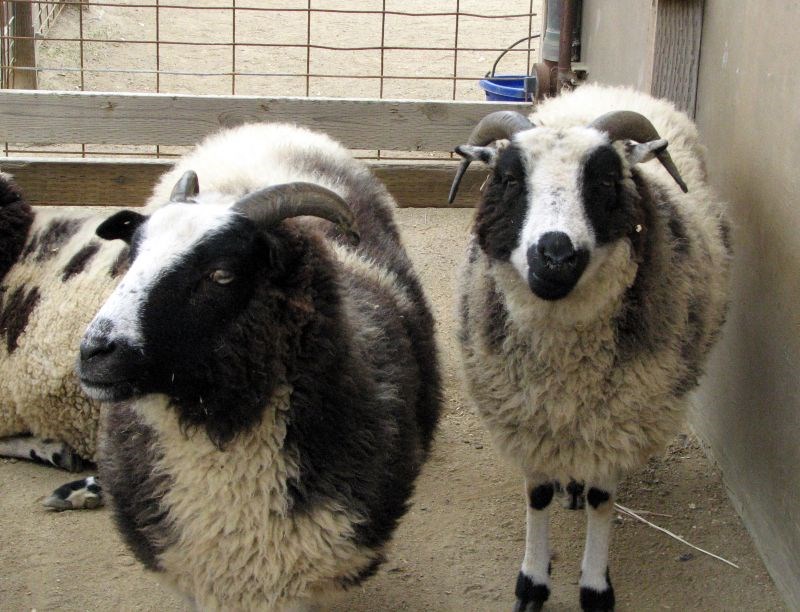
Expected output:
(495, 318)
(79, 261)
(501, 213)
(121, 263)
(50, 241)
(575, 495)
(541, 496)
(16, 218)
(598, 601)
(136, 487)
(595, 497)
(15, 314)
(530, 596)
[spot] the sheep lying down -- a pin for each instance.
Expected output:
(594, 286)
(269, 366)
(54, 274)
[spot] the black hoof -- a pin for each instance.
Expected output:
(597, 601)
(530, 596)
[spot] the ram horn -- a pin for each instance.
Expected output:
(628, 125)
(186, 188)
(495, 126)
(271, 205)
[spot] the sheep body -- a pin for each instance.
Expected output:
(50, 288)
(558, 390)
(300, 499)
(593, 291)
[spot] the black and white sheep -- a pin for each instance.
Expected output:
(594, 287)
(273, 378)
(54, 274)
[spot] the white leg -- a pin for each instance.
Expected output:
(596, 591)
(533, 582)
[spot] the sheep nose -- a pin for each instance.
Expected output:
(96, 346)
(555, 265)
(556, 249)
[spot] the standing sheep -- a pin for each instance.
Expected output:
(273, 377)
(594, 287)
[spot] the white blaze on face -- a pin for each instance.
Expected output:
(170, 233)
(553, 165)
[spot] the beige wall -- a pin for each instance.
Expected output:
(615, 54)
(748, 112)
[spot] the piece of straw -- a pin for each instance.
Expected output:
(669, 533)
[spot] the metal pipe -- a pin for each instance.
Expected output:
(566, 78)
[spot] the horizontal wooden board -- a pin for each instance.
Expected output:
(113, 182)
(48, 117)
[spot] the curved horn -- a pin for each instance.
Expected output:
(494, 126)
(186, 188)
(628, 125)
(269, 206)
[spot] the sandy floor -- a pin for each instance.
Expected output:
(459, 547)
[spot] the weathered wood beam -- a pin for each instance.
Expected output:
(112, 182)
(39, 117)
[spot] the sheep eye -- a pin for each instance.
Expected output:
(222, 277)
(608, 183)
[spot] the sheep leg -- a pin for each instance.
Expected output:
(51, 452)
(597, 594)
(533, 581)
(76, 495)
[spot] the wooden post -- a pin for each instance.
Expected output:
(676, 51)
(24, 46)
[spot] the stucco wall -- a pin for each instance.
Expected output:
(615, 54)
(748, 112)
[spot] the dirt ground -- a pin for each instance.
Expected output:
(459, 547)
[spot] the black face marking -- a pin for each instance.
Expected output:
(197, 332)
(595, 497)
(79, 261)
(598, 601)
(541, 496)
(15, 314)
(530, 596)
(501, 213)
(611, 210)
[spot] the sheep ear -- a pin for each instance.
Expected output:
(487, 155)
(642, 152)
(120, 226)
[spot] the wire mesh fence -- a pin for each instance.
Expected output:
(390, 49)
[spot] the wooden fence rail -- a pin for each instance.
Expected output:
(50, 118)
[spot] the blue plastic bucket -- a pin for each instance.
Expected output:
(508, 88)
